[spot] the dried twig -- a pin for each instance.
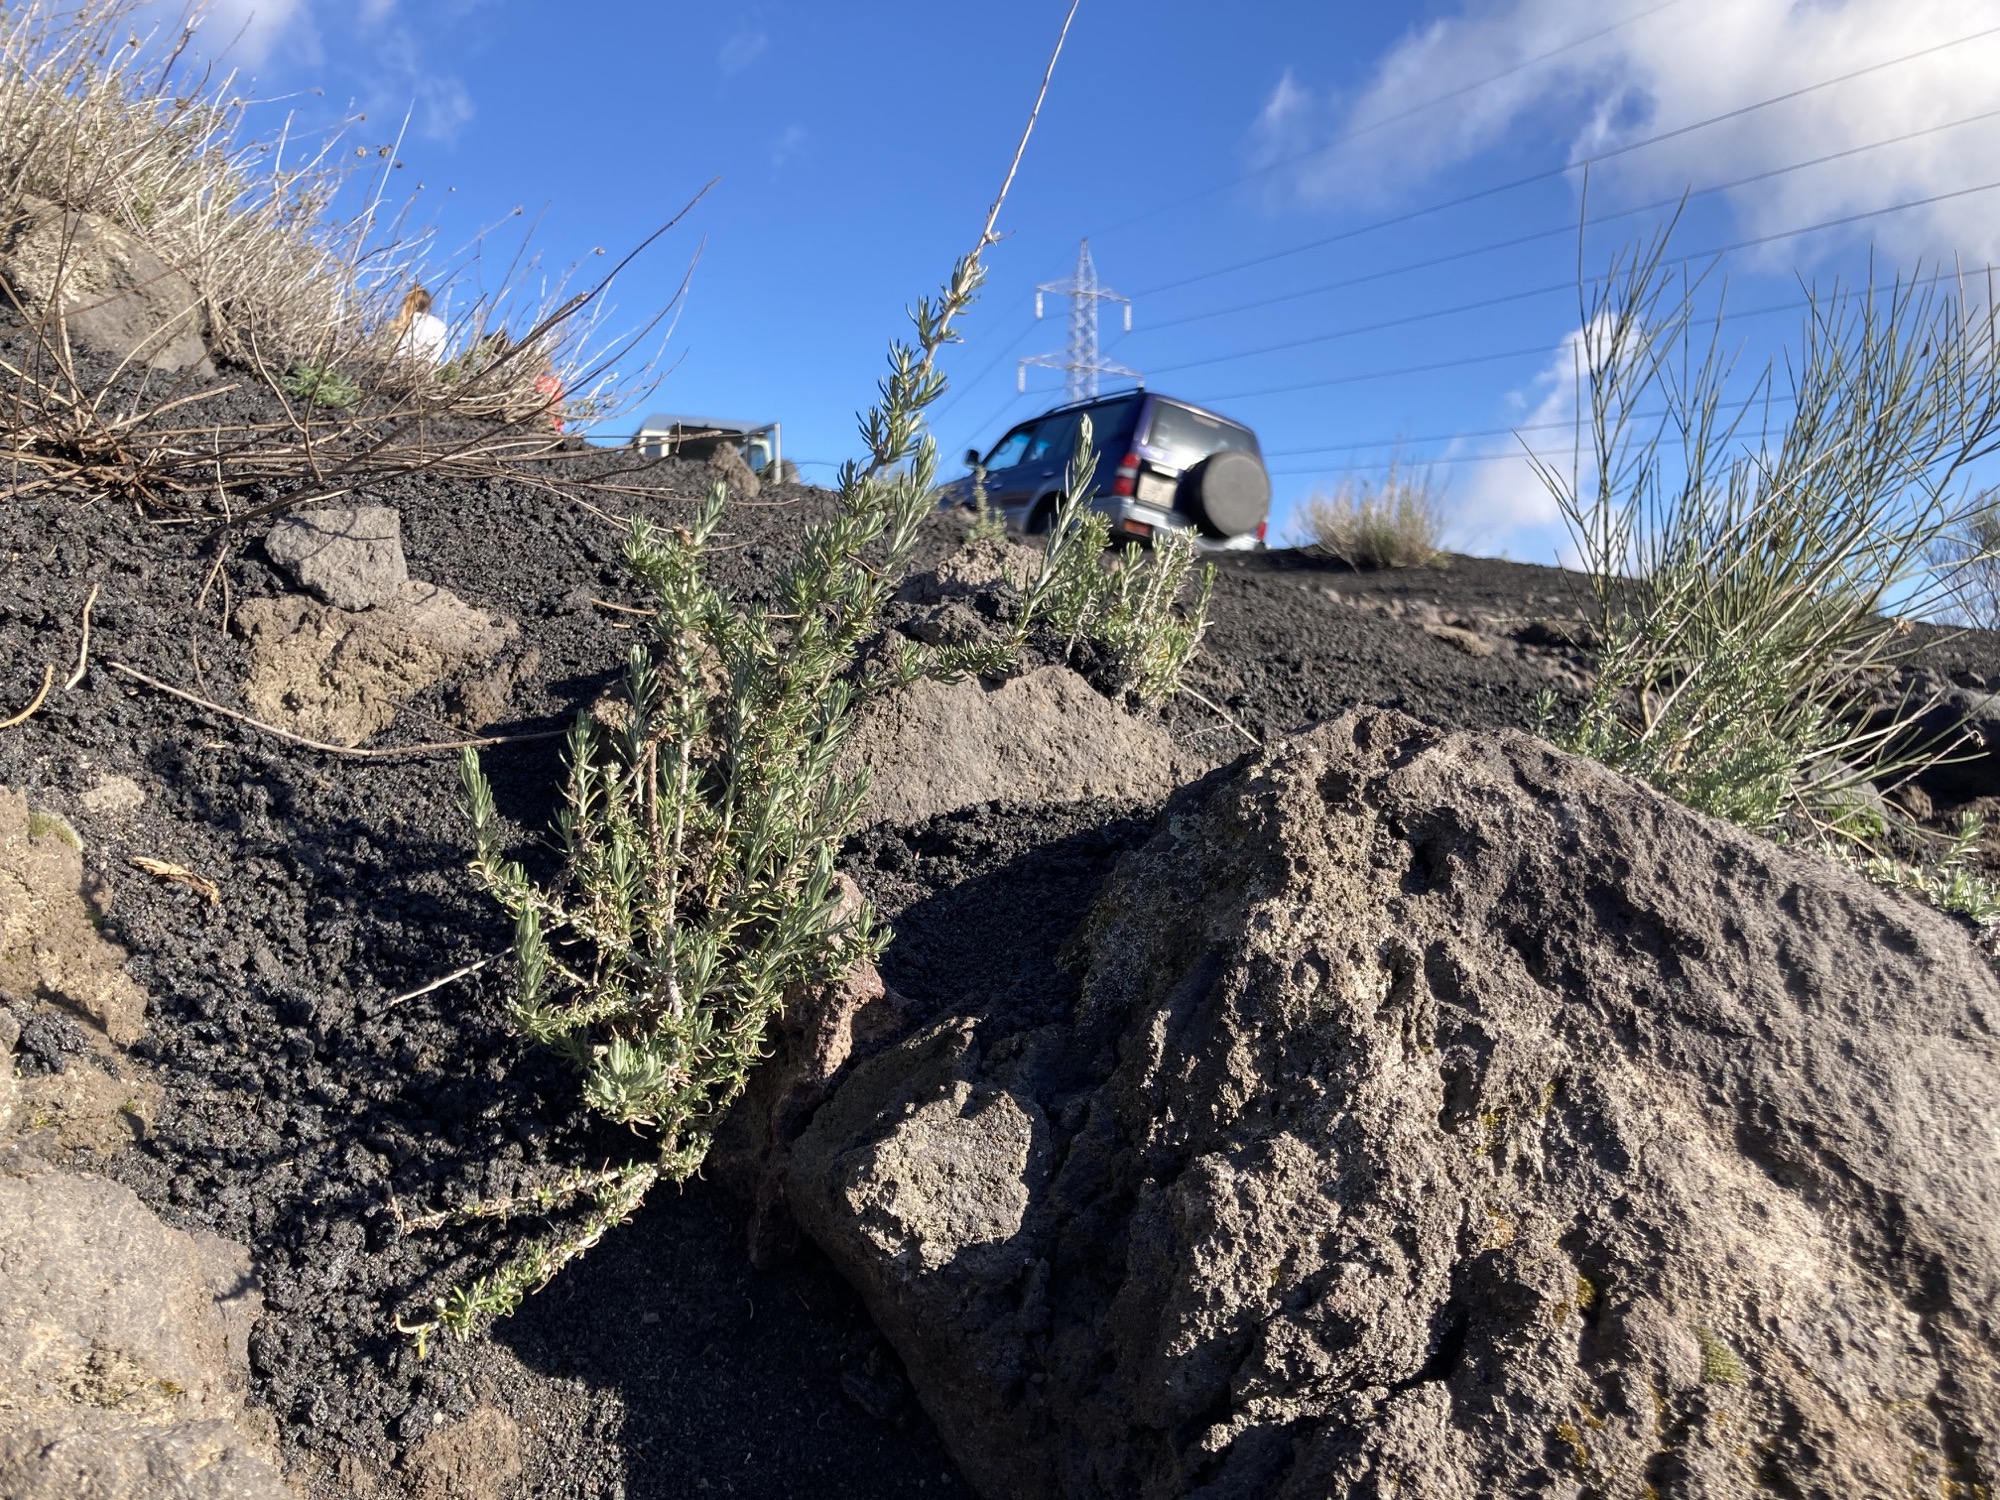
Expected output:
(625, 609)
(382, 753)
(166, 869)
(437, 984)
(83, 646)
(48, 680)
(1222, 714)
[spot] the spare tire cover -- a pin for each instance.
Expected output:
(1230, 493)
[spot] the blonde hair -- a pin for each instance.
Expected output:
(415, 301)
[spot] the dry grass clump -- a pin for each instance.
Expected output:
(1748, 580)
(99, 117)
(94, 119)
(1395, 522)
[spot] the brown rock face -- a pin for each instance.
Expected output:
(113, 294)
(123, 1346)
(476, 1459)
(821, 1029)
(1047, 736)
(340, 675)
(1445, 1116)
(49, 947)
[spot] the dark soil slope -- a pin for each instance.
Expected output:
(312, 1100)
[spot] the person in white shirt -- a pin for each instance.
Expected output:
(420, 333)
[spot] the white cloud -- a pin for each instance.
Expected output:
(251, 30)
(741, 50)
(395, 72)
(1692, 60)
(787, 145)
(404, 78)
(1495, 504)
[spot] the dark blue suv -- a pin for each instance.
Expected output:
(1162, 465)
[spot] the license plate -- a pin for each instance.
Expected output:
(1157, 489)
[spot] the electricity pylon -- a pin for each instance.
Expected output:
(1079, 363)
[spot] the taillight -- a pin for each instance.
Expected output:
(1127, 479)
(1260, 529)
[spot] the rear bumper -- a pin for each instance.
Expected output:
(1128, 515)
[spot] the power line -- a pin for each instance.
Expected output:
(961, 388)
(1451, 462)
(1561, 229)
(1543, 291)
(1498, 355)
(1568, 167)
(1485, 432)
(958, 394)
(1360, 130)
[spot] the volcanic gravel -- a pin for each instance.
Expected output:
(309, 1104)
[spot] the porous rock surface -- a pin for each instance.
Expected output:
(50, 948)
(351, 556)
(340, 675)
(123, 1348)
(1444, 1116)
(1045, 736)
(123, 1342)
(114, 296)
(734, 470)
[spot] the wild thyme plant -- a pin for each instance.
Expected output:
(698, 830)
(989, 524)
(1129, 609)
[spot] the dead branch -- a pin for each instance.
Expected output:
(83, 646)
(48, 679)
(385, 752)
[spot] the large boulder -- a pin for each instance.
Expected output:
(1445, 1116)
(123, 1349)
(109, 291)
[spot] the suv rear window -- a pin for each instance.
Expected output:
(1111, 426)
(1190, 436)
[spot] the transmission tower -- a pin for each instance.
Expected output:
(1079, 363)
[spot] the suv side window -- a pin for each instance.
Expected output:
(1010, 450)
(1053, 440)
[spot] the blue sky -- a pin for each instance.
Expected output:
(1263, 180)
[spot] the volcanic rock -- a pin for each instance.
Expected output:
(733, 470)
(351, 556)
(113, 294)
(821, 1028)
(476, 1459)
(50, 949)
(340, 675)
(1047, 736)
(123, 1349)
(1442, 1116)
